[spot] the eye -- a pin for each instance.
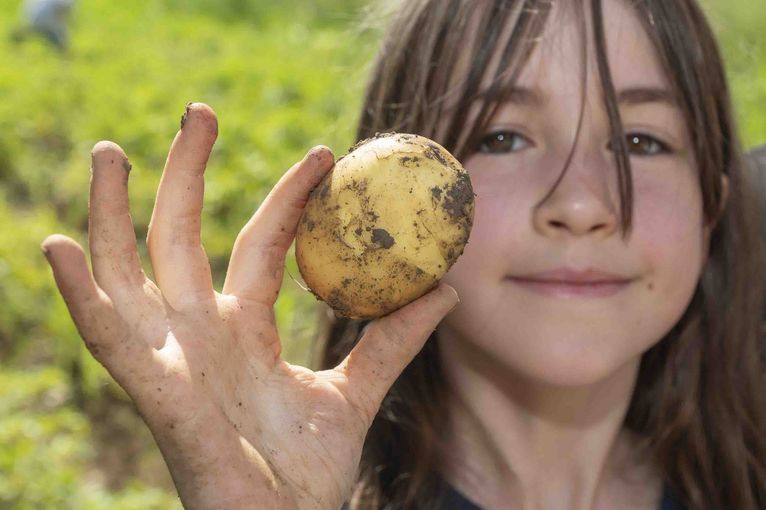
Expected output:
(501, 142)
(640, 144)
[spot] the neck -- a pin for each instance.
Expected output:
(536, 446)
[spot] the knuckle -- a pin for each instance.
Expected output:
(109, 205)
(188, 220)
(184, 239)
(201, 301)
(181, 230)
(271, 252)
(291, 200)
(93, 324)
(392, 332)
(108, 245)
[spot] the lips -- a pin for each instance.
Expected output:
(564, 282)
(565, 275)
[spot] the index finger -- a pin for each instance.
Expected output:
(258, 258)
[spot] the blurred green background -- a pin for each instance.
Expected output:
(282, 76)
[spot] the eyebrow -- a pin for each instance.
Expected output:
(515, 95)
(641, 95)
(630, 96)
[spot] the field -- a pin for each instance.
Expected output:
(281, 80)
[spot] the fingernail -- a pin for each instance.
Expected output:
(449, 290)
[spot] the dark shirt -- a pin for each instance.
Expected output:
(456, 501)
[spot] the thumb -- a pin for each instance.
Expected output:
(389, 344)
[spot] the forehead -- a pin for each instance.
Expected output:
(567, 46)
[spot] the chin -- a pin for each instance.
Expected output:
(568, 364)
(570, 376)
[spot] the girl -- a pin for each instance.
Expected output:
(605, 352)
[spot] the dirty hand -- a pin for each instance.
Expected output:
(238, 426)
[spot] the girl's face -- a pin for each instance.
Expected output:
(569, 334)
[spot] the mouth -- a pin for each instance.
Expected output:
(571, 289)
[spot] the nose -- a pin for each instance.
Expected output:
(581, 203)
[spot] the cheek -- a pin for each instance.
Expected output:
(668, 237)
(499, 219)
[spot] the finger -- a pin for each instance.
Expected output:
(180, 264)
(103, 331)
(388, 345)
(111, 237)
(258, 257)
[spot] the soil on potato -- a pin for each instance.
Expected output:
(342, 299)
(382, 238)
(459, 196)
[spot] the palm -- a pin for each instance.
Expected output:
(225, 364)
(237, 425)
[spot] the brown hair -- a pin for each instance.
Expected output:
(699, 400)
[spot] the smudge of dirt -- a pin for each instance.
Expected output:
(336, 302)
(436, 193)
(308, 222)
(382, 238)
(358, 186)
(364, 141)
(435, 153)
(185, 115)
(458, 198)
(322, 190)
(409, 161)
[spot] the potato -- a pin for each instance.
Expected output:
(384, 225)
